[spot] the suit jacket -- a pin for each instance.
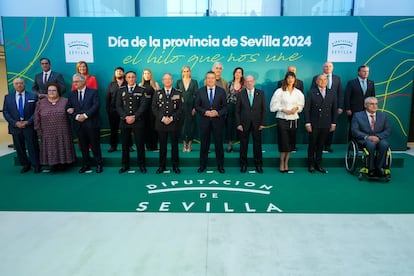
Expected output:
(90, 106)
(55, 77)
(246, 114)
(202, 104)
(299, 85)
(169, 107)
(336, 87)
(11, 111)
(354, 96)
(320, 112)
(135, 104)
(361, 127)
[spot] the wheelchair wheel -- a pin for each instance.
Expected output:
(351, 157)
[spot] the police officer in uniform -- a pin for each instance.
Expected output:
(167, 106)
(131, 105)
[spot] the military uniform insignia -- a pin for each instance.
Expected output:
(160, 96)
(123, 94)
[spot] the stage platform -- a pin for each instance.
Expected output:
(270, 157)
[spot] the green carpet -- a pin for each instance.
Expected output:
(232, 192)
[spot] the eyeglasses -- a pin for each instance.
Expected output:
(51, 90)
(373, 103)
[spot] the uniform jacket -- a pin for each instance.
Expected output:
(171, 106)
(132, 104)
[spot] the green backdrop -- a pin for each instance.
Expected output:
(263, 46)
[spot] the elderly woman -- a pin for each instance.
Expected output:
(53, 127)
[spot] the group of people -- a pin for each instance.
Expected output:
(149, 116)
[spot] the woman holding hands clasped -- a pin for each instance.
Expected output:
(287, 101)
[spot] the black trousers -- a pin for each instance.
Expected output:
(257, 145)
(139, 137)
(90, 136)
(208, 127)
(163, 137)
(316, 142)
(26, 139)
(114, 119)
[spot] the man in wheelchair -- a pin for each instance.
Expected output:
(370, 129)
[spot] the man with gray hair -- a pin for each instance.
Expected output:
(83, 107)
(371, 129)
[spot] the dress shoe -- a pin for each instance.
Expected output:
(177, 170)
(37, 169)
(221, 170)
(143, 169)
(371, 173)
(311, 169)
(201, 169)
(123, 169)
(328, 149)
(25, 169)
(99, 169)
(84, 169)
(160, 170)
(243, 168)
(112, 149)
(259, 169)
(320, 169)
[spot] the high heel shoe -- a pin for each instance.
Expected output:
(229, 148)
(189, 145)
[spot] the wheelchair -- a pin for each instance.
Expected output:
(357, 157)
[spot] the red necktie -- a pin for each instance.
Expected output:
(372, 121)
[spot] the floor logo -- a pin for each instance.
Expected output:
(204, 195)
(78, 47)
(342, 47)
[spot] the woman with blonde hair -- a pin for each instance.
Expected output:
(188, 87)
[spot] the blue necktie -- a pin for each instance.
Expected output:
(21, 109)
(211, 96)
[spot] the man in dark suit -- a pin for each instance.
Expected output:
(167, 105)
(83, 106)
(371, 129)
(132, 103)
(211, 104)
(335, 85)
(250, 117)
(357, 90)
(320, 119)
(299, 83)
(18, 110)
(47, 76)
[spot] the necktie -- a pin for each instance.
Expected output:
(323, 93)
(329, 81)
(167, 92)
(80, 96)
(21, 108)
(372, 121)
(251, 97)
(45, 79)
(211, 96)
(130, 90)
(364, 86)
